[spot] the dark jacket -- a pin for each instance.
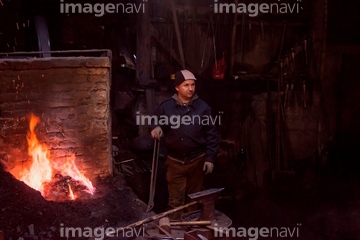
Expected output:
(189, 130)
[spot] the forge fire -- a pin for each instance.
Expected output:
(56, 179)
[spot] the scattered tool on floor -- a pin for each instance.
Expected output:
(205, 198)
(153, 218)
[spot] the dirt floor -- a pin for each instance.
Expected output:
(328, 210)
(310, 207)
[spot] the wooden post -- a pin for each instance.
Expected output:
(143, 48)
(144, 61)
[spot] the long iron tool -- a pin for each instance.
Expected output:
(154, 168)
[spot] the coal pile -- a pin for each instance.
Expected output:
(24, 213)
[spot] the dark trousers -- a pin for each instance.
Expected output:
(183, 179)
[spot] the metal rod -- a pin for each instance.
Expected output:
(190, 223)
(154, 169)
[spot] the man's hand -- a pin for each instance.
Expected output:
(208, 167)
(157, 133)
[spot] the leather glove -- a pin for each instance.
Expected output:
(208, 167)
(157, 133)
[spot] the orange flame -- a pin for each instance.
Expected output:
(41, 167)
(40, 170)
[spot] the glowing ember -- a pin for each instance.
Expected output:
(71, 194)
(68, 168)
(38, 171)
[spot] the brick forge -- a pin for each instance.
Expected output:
(71, 96)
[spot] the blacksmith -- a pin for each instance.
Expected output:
(191, 144)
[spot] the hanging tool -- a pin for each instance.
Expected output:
(292, 79)
(282, 40)
(242, 38)
(154, 167)
(305, 51)
(250, 35)
(272, 37)
(193, 30)
(233, 42)
(278, 118)
(286, 146)
(287, 88)
(214, 40)
(219, 66)
(171, 44)
(296, 76)
(304, 94)
(218, 70)
(184, 16)
(269, 125)
(289, 98)
(205, 44)
(170, 36)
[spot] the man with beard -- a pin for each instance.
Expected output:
(191, 142)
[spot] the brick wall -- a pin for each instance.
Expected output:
(71, 97)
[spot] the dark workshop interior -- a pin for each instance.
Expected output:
(285, 84)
